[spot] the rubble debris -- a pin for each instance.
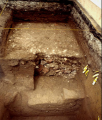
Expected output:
(45, 70)
(55, 67)
(51, 73)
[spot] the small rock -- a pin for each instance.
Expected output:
(65, 59)
(62, 70)
(60, 73)
(73, 72)
(56, 67)
(51, 73)
(9, 79)
(57, 71)
(40, 68)
(89, 62)
(52, 65)
(74, 61)
(37, 67)
(73, 65)
(13, 62)
(22, 62)
(49, 60)
(45, 70)
(65, 76)
(32, 63)
(43, 62)
(62, 66)
(67, 71)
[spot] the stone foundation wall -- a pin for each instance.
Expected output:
(56, 66)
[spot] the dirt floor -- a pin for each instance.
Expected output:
(48, 38)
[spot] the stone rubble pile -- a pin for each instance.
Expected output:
(57, 67)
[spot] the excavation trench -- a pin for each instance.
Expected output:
(41, 67)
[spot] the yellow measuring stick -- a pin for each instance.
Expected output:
(96, 71)
(85, 68)
(95, 80)
(96, 75)
(86, 73)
